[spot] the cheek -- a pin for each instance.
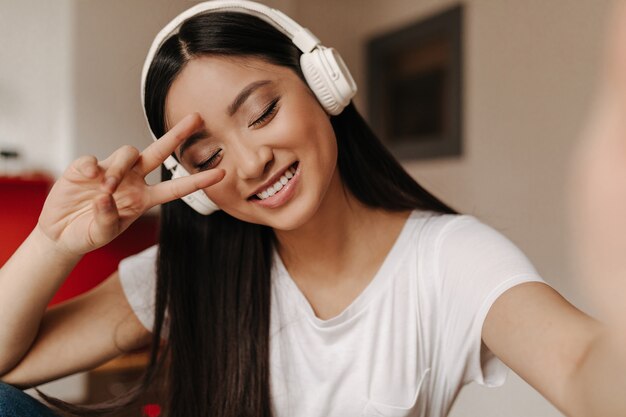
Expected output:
(315, 133)
(223, 193)
(327, 147)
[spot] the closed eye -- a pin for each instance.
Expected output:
(209, 163)
(213, 159)
(271, 109)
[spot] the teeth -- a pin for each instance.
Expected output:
(274, 188)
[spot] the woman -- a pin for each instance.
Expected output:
(329, 283)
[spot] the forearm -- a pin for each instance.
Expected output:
(599, 385)
(28, 281)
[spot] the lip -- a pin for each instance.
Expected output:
(283, 195)
(273, 180)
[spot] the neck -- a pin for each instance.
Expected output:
(342, 233)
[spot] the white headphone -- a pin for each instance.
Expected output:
(324, 70)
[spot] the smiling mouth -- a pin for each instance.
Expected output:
(276, 185)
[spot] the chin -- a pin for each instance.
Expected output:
(292, 217)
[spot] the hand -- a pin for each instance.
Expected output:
(597, 194)
(94, 201)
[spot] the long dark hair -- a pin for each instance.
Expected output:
(214, 271)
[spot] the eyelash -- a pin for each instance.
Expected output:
(271, 109)
(209, 162)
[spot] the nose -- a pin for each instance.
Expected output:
(252, 160)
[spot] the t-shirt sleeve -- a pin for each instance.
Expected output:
(476, 264)
(138, 278)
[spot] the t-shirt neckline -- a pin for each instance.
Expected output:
(375, 286)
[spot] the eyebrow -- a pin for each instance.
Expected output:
(191, 140)
(232, 109)
(244, 94)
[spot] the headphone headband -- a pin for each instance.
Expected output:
(304, 40)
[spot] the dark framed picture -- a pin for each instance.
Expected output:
(414, 77)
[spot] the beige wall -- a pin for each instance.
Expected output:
(529, 73)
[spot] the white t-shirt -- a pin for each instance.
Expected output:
(405, 346)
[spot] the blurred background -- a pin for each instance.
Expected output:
(69, 85)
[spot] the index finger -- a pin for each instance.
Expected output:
(157, 152)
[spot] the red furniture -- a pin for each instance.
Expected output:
(21, 199)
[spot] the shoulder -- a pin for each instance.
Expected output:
(439, 226)
(145, 258)
(444, 235)
(470, 264)
(464, 235)
(139, 270)
(138, 273)
(460, 253)
(138, 279)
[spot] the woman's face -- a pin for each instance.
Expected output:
(259, 120)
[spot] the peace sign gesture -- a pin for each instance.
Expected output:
(94, 201)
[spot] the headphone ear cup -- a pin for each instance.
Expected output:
(315, 78)
(329, 78)
(197, 200)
